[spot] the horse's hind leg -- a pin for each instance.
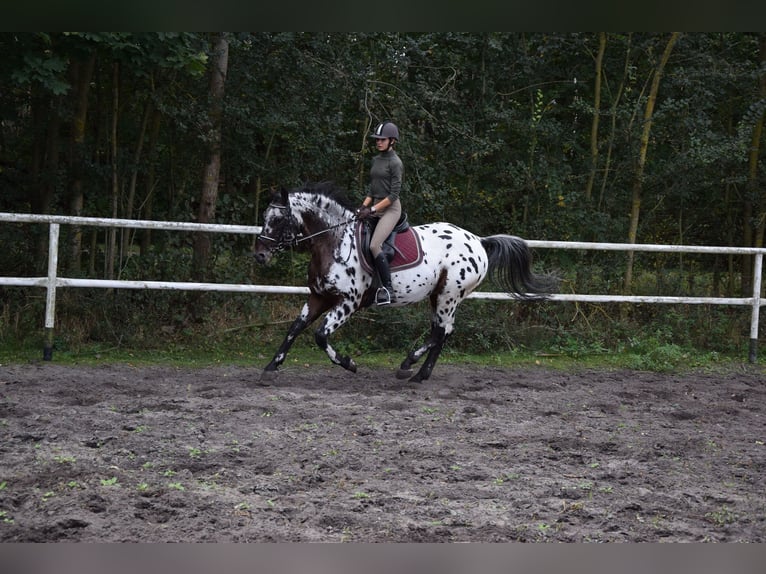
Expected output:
(405, 369)
(428, 365)
(444, 306)
(433, 346)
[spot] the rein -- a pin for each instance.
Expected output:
(301, 238)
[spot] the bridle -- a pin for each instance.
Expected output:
(287, 240)
(291, 238)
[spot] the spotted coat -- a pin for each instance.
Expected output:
(455, 263)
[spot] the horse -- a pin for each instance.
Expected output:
(449, 264)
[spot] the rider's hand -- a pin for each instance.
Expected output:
(363, 212)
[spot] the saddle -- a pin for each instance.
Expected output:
(401, 248)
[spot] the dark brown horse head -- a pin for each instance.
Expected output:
(280, 227)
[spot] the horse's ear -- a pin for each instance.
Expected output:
(284, 197)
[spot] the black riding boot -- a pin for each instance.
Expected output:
(385, 294)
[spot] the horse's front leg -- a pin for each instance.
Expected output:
(311, 310)
(335, 318)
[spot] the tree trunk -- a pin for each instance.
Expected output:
(210, 180)
(596, 116)
(46, 123)
(127, 233)
(755, 202)
(111, 251)
(638, 179)
(613, 125)
(730, 227)
(146, 207)
(81, 73)
(259, 189)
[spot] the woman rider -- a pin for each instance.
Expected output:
(382, 201)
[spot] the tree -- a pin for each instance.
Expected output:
(496, 134)
(596, 115)
(210, 179)
(635, 205)
(755, 202)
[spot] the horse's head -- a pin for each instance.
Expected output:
(280, 228)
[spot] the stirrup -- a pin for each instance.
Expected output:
(383, 296)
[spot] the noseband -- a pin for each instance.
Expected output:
(288, 239)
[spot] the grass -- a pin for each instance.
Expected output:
(648, 355)
(721, 517)
(94, 328)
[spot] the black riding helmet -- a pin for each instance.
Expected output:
(386, 130)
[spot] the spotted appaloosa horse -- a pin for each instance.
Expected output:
(448, 265)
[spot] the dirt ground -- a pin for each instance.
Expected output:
(122, 454)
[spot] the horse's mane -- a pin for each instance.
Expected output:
(327, 189)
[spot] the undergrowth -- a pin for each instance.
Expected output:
(212, 328)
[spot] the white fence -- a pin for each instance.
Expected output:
(53, 281)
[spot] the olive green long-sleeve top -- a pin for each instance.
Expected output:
(386, 176)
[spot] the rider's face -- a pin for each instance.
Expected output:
(382, 143)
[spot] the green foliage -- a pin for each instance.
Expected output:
(495, 137)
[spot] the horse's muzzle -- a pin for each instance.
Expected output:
(262, 257)
(263, 249)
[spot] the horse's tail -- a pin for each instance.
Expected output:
(510, 267)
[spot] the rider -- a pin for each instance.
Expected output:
(382, 201)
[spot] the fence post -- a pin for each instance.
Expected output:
(50, 300)
(757, 268)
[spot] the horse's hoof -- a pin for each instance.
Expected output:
(403, 373)
(266, 378)
(416, 378)
(348, 364)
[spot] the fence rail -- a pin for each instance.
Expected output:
(51, 282)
